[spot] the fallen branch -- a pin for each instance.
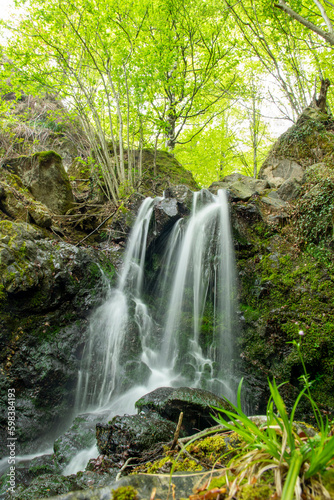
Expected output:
(177, 432)
(205, 432)
(97, 228)
(124, 466)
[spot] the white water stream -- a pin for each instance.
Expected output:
(182, 324)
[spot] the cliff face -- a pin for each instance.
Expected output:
(285, 264)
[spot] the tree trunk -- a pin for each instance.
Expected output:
(171, 125)
(320, 103)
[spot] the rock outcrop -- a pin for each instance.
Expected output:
(47, 290)
(127, 436)
(45, 177)
(196, 405)
(308, 142)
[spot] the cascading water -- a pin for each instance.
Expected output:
(180, 332)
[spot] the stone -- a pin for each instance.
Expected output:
(134, 370)
(274, 201)
(196, 405)
(240, 186)
(47, 290)
(144, 485)
(289, 190)
(166, 212)
(46, 484)
(277, 170)
(181, 193)
(128, 435)
(17, 202)
(45, 177)
(80, 435)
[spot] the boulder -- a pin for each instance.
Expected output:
(181, 193)
(196, 405)
(306, 143)
(274, 201)
(45, 177)
(80, 436)
(44, 486)
(26, 471)
(141, 486)
(176, 204)
(17, 202)
(240, 186)
(47, 290)
(277, 170)
(290, 189)
(128, 435)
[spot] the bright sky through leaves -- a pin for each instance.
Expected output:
(5, 7)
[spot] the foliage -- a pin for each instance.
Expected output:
(165, 74)
(131, 71)
(314, 215)
(295, 457)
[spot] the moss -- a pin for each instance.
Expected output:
(214, 449)
(299, 141)
(167, 463)
(46, 156)
(255, 492)
(328, 481)
(286, 295)
(168, 172)
(125, 493)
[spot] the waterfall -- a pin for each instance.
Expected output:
(174, 329)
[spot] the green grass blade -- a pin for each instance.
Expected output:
(320, 458)
(277, 398)
(291, 479)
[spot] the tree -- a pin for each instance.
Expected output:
(194, 68)
(213, 154)
(308, 17)
(275, 49)
(123, 66)
(255, 142)
(82, 51)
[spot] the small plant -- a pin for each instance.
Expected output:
(281, 446)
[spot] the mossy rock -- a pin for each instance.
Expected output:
(45, 177)
(169, 172)
(131, 434)
(45, 486)
(18, 203)
(308, 142)
(196, 405)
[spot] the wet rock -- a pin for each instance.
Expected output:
(134, 370)
(143, 484)
(45, 177)
(47, 290)
(25, 473)
(45, 464)
(45, 486)
(80, 436)
(128, 435)
(181, 193)
(196, 405)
